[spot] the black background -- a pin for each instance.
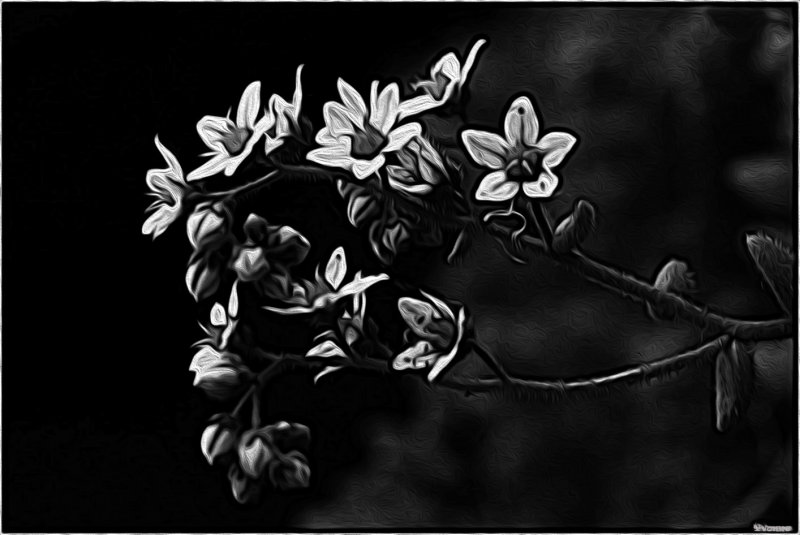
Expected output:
(672, 106)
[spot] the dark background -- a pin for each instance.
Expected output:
(686, 119)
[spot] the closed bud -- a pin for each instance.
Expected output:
(290, 471)
(219, 437)
(289, 436)
(251, 264)
(245, 489)
(202, 279)
(255, 228)
(254, 453)
(220, 375)
(207, 223)
(574, 228)
(675, 277)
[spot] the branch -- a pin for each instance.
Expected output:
(641, 372)
(666, 305)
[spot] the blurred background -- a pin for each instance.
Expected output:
(686, 117)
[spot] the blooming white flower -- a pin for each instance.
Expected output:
(438, 332)
(355, 138)
(447, 77)
(169, 188)
(231, 142)
(520, 160)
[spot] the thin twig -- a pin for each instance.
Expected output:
(638, 373)
(666, 305)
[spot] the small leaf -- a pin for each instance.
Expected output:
(336, 268)
(775, 262)
(326, 349)
(734, 383)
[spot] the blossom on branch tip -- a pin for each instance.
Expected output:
(520, 160)
(436, 332)
(169, 188)
(231, 142)
(357, 139)
(447, 77)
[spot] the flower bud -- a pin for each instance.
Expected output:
(220, 375)
(291, 471)
(775, 261)
(254, 453)
(255, 228)
(219, 437)
(207, 223)
(202, 279)
(251, 264)
(245, 489)
(574, 229)
(289, 436)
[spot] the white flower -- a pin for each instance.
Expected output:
(438, 333)
(520, 160)
(447, 77)
(169, 188)
(355, 138)
(284, 116)
(231, 142)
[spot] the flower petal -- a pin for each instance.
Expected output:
(385, 107)
(172, 161)
(521, 124)
(417, 105)
(473, 53)
(413, 189)
(418, 315)
(211, 167)
(233, 300)
(415, 357)
(213, 130)
(363, 169)
(326, 371)
(332, 156)
(297, 98)
(486, 148)
(556, 145)
(336, 268)
(402, 135)
(443, 361)
(544, 187)
(448, 65)
(441, 305)
(496, 188)
(352, 99)
(160, 220)
(249, 106)
(339, 120)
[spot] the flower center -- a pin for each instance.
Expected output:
(235, 141)
(526, 167)
(367, 143)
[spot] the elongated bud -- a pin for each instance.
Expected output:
(574, 229)
(775, 262)
(219, 437)
(735, 376)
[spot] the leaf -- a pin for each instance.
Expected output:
(735, 375)
(336, 268)
(775, 261)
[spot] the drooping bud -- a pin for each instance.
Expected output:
(291, 471)
(254, 452)
(251, 264)
(245, 489)
(673, 277)
(219, 437)
(220, 375)
(775, 261)
(202, 278)
(255, 228)
(574, 228)
(735, 377)
(207, 224)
